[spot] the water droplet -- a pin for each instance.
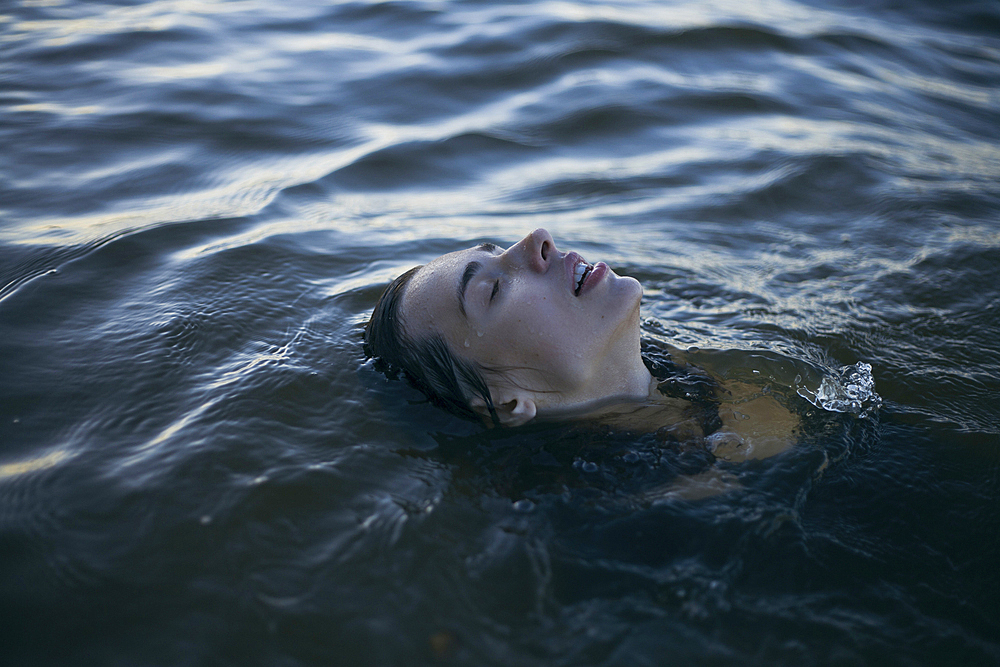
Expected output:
(466, 342)
(479, 333)
(589, 466)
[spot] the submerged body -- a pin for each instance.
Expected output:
(735, 420)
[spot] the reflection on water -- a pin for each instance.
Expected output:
(31, 465)
(201, 202)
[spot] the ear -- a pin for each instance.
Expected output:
(518, 410)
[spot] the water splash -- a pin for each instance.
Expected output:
(850, 389)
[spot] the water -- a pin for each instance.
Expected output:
(200, 203)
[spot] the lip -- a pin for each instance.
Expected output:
(595, 276)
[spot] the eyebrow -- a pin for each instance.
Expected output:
(471, 269)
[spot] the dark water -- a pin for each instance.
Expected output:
(201, 201)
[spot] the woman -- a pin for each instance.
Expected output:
(532, 332)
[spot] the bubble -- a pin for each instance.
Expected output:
(524, 505)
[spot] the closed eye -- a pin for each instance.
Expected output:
(496, 288)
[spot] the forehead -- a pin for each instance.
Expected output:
(430, 301)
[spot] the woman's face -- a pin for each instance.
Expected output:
(562, 331)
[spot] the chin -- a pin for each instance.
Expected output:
(629, 288)
(621, 303)
(628, 296)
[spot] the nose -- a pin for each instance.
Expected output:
(536, 250)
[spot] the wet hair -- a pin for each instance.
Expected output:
(428, 363)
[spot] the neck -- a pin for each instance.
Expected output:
(628, 390)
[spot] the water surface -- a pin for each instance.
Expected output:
(201, 202)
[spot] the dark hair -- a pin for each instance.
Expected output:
(429, 363)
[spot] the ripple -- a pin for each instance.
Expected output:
(201, 203)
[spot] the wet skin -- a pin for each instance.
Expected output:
(555, 345)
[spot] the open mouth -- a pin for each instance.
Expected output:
(580, 273)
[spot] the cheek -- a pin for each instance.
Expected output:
(552, 331)
(524, 339)
(557, 347)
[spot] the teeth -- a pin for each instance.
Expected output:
(579, 272)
